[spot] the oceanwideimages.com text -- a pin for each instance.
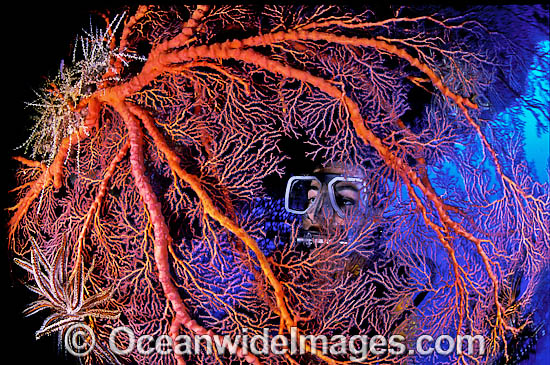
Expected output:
(356, 348)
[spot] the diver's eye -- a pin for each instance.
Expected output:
(346, 202)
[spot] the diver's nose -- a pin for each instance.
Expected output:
(323, 210)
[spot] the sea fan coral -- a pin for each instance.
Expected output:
(158, 154)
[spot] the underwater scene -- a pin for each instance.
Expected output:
(281, 184)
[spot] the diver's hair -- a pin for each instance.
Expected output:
(345, 168)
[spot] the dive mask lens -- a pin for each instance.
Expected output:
(301, 193)
(347, 195)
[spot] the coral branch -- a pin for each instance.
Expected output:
(400, 166)
(162, 234)
(215, 213)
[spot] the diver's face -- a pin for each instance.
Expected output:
(329, 214)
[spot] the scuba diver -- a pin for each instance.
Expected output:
(327, 200)
(335, 206)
